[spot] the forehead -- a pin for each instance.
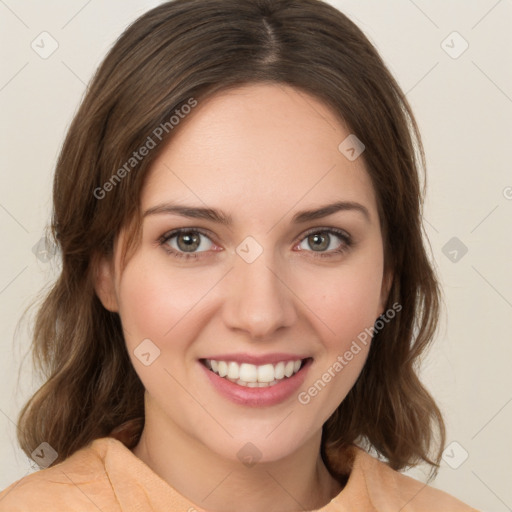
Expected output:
(260, 149)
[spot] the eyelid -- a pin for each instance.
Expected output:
(173, 232)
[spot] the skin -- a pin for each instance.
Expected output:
(260, 153)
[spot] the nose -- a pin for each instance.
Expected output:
(258, 300)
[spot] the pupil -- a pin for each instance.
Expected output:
(188, 242)
(319, 241)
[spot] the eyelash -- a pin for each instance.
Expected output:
(345, 238)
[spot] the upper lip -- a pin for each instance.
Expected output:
(257, 359)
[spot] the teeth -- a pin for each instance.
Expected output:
(222, 368)
(233, 370)
(265, 373)
(288, 369)
(251, 375)
(248, 372)
(279, 371)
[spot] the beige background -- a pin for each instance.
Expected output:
(463, 104)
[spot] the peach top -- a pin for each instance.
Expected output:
(106, 476)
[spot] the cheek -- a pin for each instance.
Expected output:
(353, 306)
(345, 307)
(146, 307)
(157, 304)
(155, 301)
(345, 300)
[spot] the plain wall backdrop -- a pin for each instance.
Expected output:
(453, 59)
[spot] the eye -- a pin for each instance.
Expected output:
(326, 242)
(191, 242)
(186, 242)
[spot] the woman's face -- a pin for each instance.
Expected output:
(265, 272)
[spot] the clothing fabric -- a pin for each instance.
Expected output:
(106, 476)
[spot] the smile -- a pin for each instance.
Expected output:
(256, 380)
(251, 375)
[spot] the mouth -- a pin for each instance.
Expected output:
(255, 376)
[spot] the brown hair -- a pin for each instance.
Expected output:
(191, 49)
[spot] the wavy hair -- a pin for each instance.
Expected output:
(187, 49)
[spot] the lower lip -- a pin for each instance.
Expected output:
(258, 397)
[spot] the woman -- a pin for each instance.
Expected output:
(245, 289)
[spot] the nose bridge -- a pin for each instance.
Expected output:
(258, 301)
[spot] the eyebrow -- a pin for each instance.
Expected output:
(225, 219)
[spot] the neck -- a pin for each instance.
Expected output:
(300, 481)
